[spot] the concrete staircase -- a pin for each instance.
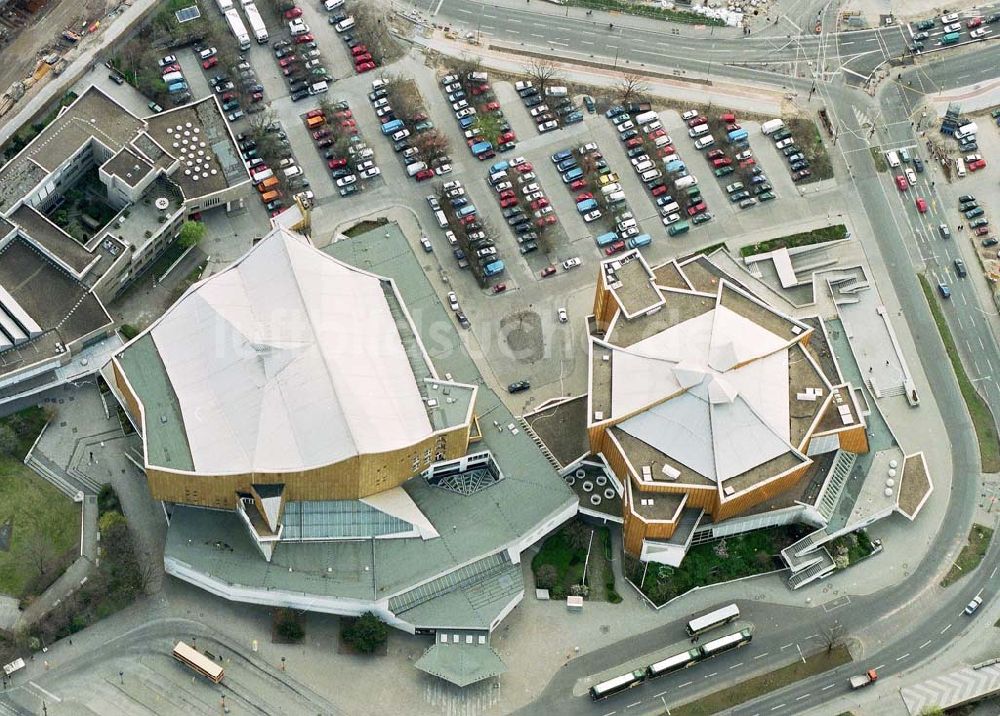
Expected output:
(834, 486)
(817, 570)
(69, 485)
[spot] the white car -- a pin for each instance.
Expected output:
(383, 102)
(690, 114)
(784, 143)
(544, 211)
(455, 192)
(453, 87)
(442, 169)
(589, 147)
(540, 109)
(671, 219)
(571, 263)
(207, 52)
(529, 188)
(382, 111)
(563, 317)
(911, 177)
(365, 165)
(467, 112)
(624, 127)
(461, 104)
(534, 196)
(973, 158)
(345, 181)
(977, 33)
(592, 216)
(168, 60)
(548, 126)
(451, 185)
(517, 161)
(950, 17)
(744, 155)
(636, 161)
(371, 172)
(954, 27)
(453, 300)
(411, 152)
(974, 604)
(630, 231)
(526, 177)
(401, 134)
(452, 239)
(449, 79)
(503, 186)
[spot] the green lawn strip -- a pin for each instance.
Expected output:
(979, 411)
(805, 238)
(879, 159)
(971, 555)
(45, 528)
(765, 683)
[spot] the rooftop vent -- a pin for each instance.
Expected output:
(670, 472)
(598, 415)
(728, 491)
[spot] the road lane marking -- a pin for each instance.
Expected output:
(47, 693)
(515, 32)
(584, 42)
(900, 658)
(761, 656)
(779, 706)
(924, 644)
(709, 676)
(686, 683)
(994, 572)
(610, 713)
(534, 35)
(736, 666)
(656, 696)
(463, 11)
(558, 43)
(879, 667)
(510, 19)
(787, 645)
(803, 696)
(946, 629)
(830, 686)
(635, 704)
(845, 44)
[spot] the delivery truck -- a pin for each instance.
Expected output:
(866, 679)
(238, 29)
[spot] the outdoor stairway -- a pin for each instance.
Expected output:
(819, 569)
(840, 473)
(50, 475)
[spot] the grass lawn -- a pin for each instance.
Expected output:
(45, 526)
(765, 683)
(805, 238)
(880, 164)
(721, 561)
(979, 411)
(566, 552)
(806, 135)
(971, 555)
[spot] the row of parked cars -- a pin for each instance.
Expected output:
(265, 178)
(225, 87)
(396, 129)
(550, 108)
(300, 63)
(173, 78)
(737, 141)
(462, 217)
(521, 200)
(473, 92)
(348, 165)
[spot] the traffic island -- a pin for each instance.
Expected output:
(971, 555)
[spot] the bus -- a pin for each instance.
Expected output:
(620, 683)
(673, 663)
(198, 662)
(713, 619)
(725, 643)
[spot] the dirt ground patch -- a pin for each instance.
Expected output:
(522, 334)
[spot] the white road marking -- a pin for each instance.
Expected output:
(463, 10)
(635, 704)
(900, 658)
(515, 32)
(709, 676)
(787, 645)
(656, 696)
(761, 656)
(830, 686)
(879, 667)
(946, 629)
(559, 43)
(994, 572)
(686, 683)
(610, 713)
(845, 44)
(47, 693)
(779, 706)
(924, 644)
(736, 666)
(803, 696)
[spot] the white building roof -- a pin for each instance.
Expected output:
(690, 401)
(288, 360)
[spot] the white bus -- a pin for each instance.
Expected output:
(713, 619)
(620, 683)
(725, 643)
(673, 663)
(198, 662)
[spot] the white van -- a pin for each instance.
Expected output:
(610, 188)
(771, 126)
(616, 196)
(960, 167)
(172, 77)
(319, 88)
(704, 142)
(685, 182)
(645, 117)
(651, 175)
(441, 219)
(292, 171)
(344, 25)
(412, 169)
(966, 130)
(892, 158)
(556, 91)
(643, 166)
(627, 224)
(698, 131)
(332, 4)
(662, 141)
(669, 208)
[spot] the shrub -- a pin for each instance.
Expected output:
(288, 626)
(614, 597)
(546, 576)
(366, 634)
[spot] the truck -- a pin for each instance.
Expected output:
(480, 148)
(238, 29)
(224, 5)
(256, 22)
(393, 126)
(771, 126)
(586, 205)
(866, 679)
(494, 268)
(737, 135)
(950, 39)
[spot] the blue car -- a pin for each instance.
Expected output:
(561, 156)
(573, 118)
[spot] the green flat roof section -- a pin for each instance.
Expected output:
(474, 605)
(166, 441)
(461, 664)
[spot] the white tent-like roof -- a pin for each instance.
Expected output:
(288, 360)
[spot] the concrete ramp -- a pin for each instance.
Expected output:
(951, 690)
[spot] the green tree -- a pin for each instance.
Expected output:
(546, 576)
(367, 634)
(111, 521)
(191, 233)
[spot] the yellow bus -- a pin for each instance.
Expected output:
(198, 662)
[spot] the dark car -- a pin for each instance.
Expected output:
(518, 387)
(299, 94)
(532, 101)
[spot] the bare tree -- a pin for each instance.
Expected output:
(832, 636)
(371, 26)
(543, 72)
(430, 144)
(632, 87)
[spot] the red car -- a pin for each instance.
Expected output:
(696, 121)
(348, 123)
(584, 196)
(546, 220)
(424, 175)
(257, 97)
(633, 142)
(500, 288)
(508, 201)
(345, 114)
(727, 117)
(722, 162)
(976, 165)
(506, 137)
(418, 117)
(921, 205)
(716, 154)
(491, 106)
(170, 68)
(657, 133)
(539, 203)
(470, 219)
(733, 127)
(615, 248)
(696, 208)
(548, 271)
(901, 182)
(337, 163)
(507, 194)
(320, 133)
(303, 39)
(293, 13)
(363, 57)
(747, 163)
(480, 89)
(364, 67)
(359, 49)
(982, 230)
(314, 113)
(227, 97)
(974, 22)
(286, 61)
(659, 189)
(210, 63)
(578, 184)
